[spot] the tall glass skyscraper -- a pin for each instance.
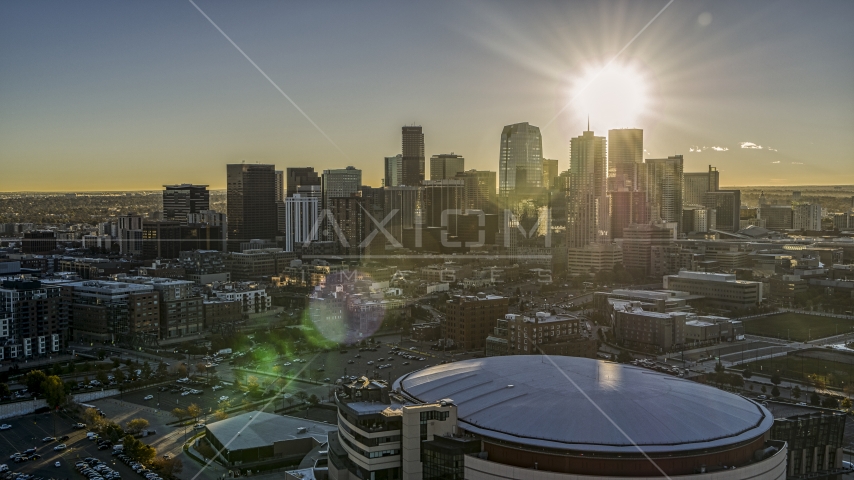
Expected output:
(664, 189)
(625, 159)
(251, 207)
(412, 159)
(520, 164)
(587, 212)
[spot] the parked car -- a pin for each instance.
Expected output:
(59, 447)
(148, 397)
(5, 426)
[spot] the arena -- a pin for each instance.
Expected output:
(539, 416)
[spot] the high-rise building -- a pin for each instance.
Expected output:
(251, 203)
(113, 312)
(402, 202)
(440, 196)
(412, 158)
(470, 319)
(625, 159)
(727, 207)
(479, 188)
(627, 207)
(182, 200)
(38, 241)
(446, 166)
(32, 323)
(664, 189)
(393, 171)
(280, 186)
(129, 228)
(341, 182)
(520, 164)
(350, 216)
(301, 214)
(807, 217)
(550, 173)
(698, 183)
(639, 243)
(212, 218)
(301, 180)
(161, 239)
(587, 212)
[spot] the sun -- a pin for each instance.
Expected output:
(615, 96)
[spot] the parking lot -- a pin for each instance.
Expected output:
(28, 432)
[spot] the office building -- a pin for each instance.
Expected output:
(520, 164)
(816, 441)
(301, 216)
(588, 211)
(161, 239)
(212, 218)
(112, 312)
(558, 334)
(205, 267)
(401, 203)
(727, 207)
(720, 289)
(664, 189)
(181, 310)
(471, 318)
(32, 321)
(393, 171)
(412, 157)
(301, 180)
(520, 417)
(479, 188)
(129, 228)
(253, 264)
(179, 201)
(446, 166)
(699, 219)
(625, 159)
(593, 257)
(341, 182)
(441, 198)
(660, 332)
(251, 198)
(352, 223)
(806, 217)
(550, 173)
(627, 207)
(696, 184)
(38, 241)
(639, 243)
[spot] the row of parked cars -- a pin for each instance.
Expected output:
(139, 468)
(95, 469)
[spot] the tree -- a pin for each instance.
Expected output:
(301, 396)
(763, 389)
(775, 378)
(136, 425)
(179, 413)
(101, 376)
(252, 385)
(735, 380)
(194, 411)
(313, 399)
(796, 392)
(830, 402)
(34, 380)
(92, 418)
(182, 371)
(624, 357)
(815, 399)
(201, 368)
(220, 415)
(4, 390)
(146, 370)
(119, 374)
(747, 373)
(719, 367)
(138, 450)
(290, 399)
(111, 431)
(775, 392)
(54, 391)
(162, 368)
(167, 467)
(846, 403)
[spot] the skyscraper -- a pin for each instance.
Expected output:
(393, 170)
(550, 172)
(698, 183)
(280, 186)
(727, 207)
(664, 189)
(341, 182)
(301, 180)
(587, 212)
(520, 162)
(182, 200)
(412, 158)
(301, 213)
(446, 166)
(442, 196)
(625, 158)
(251, 203)
(479, 190)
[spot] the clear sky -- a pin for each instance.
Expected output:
(132, 95)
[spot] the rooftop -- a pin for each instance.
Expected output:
(572, 403)
(258, 429)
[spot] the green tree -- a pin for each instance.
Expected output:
(138, 450)
(830, 402)
(624, 357)
(815, 399)
(162, 368)
(136, 425)
(34, 380)
(747, 373)
(111, 431)
(775, 378)
(101, 376)
(220, 414)
(252, 385)
(54, 391)
(775, 392)
(301, 396)
(71, 368)
(763, 389)
(119, 374)
(182, 371)
(167, 467)
(846, 403)
(146, 370)
(735, 380)
(313, 399)
(179, 413)
(796, 392)
(4, 390)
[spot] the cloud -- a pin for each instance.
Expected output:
(751, 145)
(771, 149)
(796, 163)
(698, 149)
(776, 161)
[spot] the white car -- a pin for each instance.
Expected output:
(223, 398)
(286, 364)
(57, 464)
(184, 394)
(5, 426)
(59, 447)
(148, 397)
(216, 387)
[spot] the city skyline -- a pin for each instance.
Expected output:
(144, 97)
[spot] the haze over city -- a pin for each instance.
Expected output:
(122, 96)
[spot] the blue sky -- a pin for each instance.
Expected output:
(123, 95)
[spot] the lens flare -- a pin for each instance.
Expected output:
(615, 97)
(347, 308)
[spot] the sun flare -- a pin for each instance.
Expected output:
(615, 97)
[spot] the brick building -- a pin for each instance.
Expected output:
(470, 319)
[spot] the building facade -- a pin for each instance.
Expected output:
(251, 203)
(520, 162)
(470, 319)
